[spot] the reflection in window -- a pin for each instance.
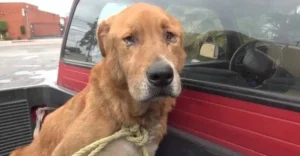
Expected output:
(82, 42)
(201, 25)
(247, 43)
(111, 9)
(280, 27)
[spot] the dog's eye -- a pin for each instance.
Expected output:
(130, 40)
(170, 37)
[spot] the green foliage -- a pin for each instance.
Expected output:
(7, 37)
(22, 30)
(3, 27)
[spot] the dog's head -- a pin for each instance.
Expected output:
(144, 47)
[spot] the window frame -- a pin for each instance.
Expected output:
(65, 39)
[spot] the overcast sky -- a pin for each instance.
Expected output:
(61, 7)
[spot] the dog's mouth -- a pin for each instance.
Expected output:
(157, 94)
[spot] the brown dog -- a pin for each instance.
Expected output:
(136, 83)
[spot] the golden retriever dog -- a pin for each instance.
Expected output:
(136, 83)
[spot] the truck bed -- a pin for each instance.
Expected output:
(17, 122)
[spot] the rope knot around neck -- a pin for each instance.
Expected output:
(139, 136)
(135, 134)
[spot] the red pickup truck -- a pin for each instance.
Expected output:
(241, 89)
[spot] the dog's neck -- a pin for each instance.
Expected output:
(117, 102)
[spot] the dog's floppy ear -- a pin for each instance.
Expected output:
(102, 32)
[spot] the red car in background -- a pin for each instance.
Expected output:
(241, 79)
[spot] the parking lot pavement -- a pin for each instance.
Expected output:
(30, 42)
(29, 63)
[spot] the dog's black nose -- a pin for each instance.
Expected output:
(160, 74)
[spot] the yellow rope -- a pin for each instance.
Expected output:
(136, 134)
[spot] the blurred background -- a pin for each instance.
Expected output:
(30, 40)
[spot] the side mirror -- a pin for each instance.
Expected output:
(209, 50)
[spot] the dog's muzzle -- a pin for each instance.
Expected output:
(160, 74)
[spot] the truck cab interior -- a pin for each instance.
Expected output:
(238, 43)
(242, 43)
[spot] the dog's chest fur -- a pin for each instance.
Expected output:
(122, 147)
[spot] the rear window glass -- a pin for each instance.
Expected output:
(247, 43)
(82, 45)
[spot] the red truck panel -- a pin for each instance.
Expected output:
(72, 77)
(246, 127)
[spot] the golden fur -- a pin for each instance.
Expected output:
(110, 98)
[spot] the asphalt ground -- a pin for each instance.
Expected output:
(29, 63)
